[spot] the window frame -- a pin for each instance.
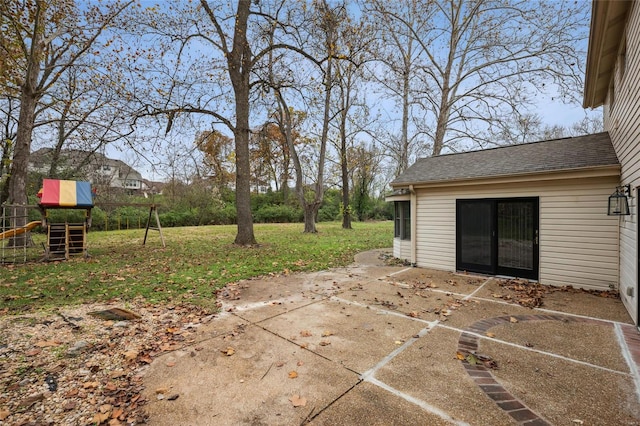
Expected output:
(402, 220)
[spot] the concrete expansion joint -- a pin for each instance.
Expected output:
(486, 381)
(470, 336)
(422, 404)
(398, 272)
(629, 342)
(383, 311)
(480, 287)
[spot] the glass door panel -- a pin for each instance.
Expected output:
(475, 235)
(515, 234)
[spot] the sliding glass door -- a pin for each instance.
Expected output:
(498, 236)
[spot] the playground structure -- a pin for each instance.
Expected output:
(62, 239)
(65, 239)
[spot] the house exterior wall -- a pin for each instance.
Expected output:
(402, 249)
(578, 241)
(621, 118)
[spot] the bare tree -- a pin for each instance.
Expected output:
(239, 45)
(399, 56)
(9, 122)
(485, 59)
(352, 113)
(42, 40)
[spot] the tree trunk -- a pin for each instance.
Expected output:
(311, 208)
(403, 163)
(26, 119)
(239, 71)
(346, 209)
(310, 215)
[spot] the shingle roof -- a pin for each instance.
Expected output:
(538, 157)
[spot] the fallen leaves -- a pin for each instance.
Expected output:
(130, 355)
(104, 384)
(298, 401)
(523, 292)
(30, 400)
(47, 343)
(474, 358)
(100, 418)
(229, 351)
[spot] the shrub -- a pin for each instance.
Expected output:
(278, 214)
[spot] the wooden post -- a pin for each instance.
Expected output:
(153, 210)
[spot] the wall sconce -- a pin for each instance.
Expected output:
(618, 201)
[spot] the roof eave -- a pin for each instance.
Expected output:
(608, 19)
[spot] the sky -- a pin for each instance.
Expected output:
(551, 110)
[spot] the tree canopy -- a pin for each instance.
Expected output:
(252, 95)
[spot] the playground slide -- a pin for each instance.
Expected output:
(17, 231)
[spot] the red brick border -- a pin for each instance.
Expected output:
(485, 380)
(632, 339)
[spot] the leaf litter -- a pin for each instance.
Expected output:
(531, 294)
(76, 368)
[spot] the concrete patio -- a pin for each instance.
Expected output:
(379, 345)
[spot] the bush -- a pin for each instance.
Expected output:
(225, 215)
(278, 214)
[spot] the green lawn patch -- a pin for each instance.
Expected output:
(196, 262)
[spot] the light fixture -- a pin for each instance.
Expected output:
(618, 201)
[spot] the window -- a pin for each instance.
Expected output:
(402, 218)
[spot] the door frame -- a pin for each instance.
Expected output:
(494, 268)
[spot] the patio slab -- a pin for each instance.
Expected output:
(367, 404)
(368, 347)
(349, 335)
(430, 371)
(253, 385)
(563, 391)
(572, 301)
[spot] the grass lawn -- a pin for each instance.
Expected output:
(196, 262)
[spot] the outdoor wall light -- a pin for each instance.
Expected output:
(618, 201)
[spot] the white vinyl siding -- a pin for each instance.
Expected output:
(578, 241)
(622, 124)
(402, 249)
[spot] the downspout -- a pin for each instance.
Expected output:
(414, 227)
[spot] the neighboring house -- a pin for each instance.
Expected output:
(150, 187)
(97, 168)
(539, 210)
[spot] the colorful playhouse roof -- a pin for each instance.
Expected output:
(65, 193)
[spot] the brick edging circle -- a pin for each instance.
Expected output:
(482, 376)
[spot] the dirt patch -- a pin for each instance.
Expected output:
(69, 368)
